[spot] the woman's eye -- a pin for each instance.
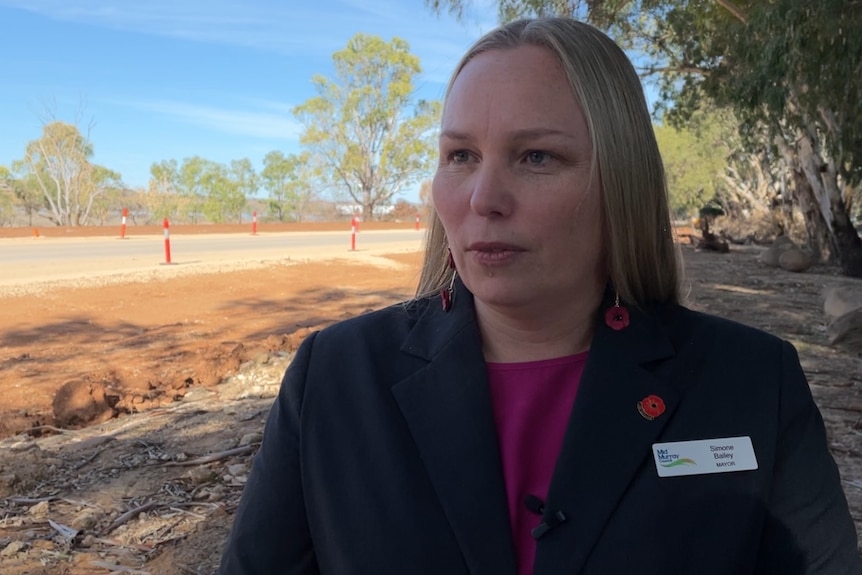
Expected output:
(538, 157)
(458, 156)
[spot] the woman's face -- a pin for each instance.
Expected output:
(514, 189)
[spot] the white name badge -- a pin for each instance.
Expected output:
(721, 455)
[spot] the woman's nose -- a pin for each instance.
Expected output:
(490, 195)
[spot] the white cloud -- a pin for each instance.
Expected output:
(284, 26)
(272, 125)
(272, 26)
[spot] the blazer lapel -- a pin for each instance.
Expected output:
(607, 439)
(447, 407)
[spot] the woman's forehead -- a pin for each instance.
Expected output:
(523, 87)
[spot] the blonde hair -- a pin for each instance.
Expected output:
(642, 260)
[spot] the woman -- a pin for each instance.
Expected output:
(544, 405)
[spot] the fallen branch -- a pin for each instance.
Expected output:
(113, 542)
(118, 568)
(129, 515)
(88, 460)
(31, 500)
(64, 530)
(213, 456)
(43, 428)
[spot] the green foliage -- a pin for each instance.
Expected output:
(290, 181)
(198, 188)
(801, 63)
(508, 10)
(696, 158)
(190, 184)
(7, 197)
(58, 164)
(781, 64)
(161, 200)
(223, 188)
(108, 201)
(362, 127)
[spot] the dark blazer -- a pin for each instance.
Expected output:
(380, 457)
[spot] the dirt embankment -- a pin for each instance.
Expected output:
(153, 490)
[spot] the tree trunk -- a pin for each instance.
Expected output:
(820, 243)
(820, 240)
(823, 179)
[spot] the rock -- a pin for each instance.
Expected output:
(250, 438)
(795, 260)
(39, 510)
(8, 480)
(200, 475)
(86, 519)
(771, 255)
(43, 545)
(81, 403)
(839, 300)
(237, 469)
(783, 241)
(846, 331)
(24, 446)
(13, 549)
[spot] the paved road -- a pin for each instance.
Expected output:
(29, 259)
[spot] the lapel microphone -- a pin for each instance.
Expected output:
(537, 506)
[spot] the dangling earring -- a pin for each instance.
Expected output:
(617, 317)
(447, 295)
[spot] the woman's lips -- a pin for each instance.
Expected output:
(493, 253)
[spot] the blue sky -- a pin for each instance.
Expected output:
(168, 79)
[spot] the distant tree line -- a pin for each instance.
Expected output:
(364, 141)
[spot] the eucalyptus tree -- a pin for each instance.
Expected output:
(162, 198)
(789, 68)
(363, 125)
(7, 196)
(59, 164)
(290, 181)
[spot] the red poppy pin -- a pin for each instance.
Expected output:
(651, 407)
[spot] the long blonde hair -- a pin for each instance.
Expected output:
(642, 261)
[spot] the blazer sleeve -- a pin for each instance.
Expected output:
(270, 534)
(809, 518)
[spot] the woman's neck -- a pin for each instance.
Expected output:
(528, 335)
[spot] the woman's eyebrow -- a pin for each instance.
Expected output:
(525, 134)
(536, 133)
(454, 135)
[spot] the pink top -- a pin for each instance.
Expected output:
(532, 402)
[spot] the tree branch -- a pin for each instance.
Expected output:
(677, 69)
(735, 11)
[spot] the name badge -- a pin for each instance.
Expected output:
(721, 455)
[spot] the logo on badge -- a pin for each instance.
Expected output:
(667, 459)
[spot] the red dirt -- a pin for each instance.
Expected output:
(190, 365)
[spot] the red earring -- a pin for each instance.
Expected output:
(617, 317)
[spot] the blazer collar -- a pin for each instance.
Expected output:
(447, 407)
(608, 441)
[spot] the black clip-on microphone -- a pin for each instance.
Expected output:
(537, 506)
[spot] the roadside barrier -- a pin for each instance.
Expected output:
(254, 223)
(167, 226)
(353, 227)
(417, 222)
(123, 225)
(35, 233)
